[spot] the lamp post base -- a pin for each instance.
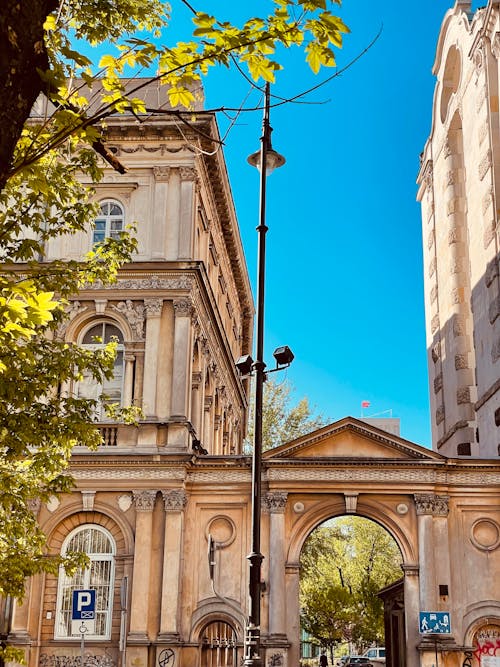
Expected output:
(252, 657)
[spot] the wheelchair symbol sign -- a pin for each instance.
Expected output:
(83, 612)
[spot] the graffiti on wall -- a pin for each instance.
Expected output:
(487, 646)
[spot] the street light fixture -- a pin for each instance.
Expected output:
(266, 156)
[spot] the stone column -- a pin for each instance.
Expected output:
(153, 313)
(139, 607)
(128, 385)
(158, 232)
(441, 540)
(426, 551)
(175, 502)
(412, 608)
(181, 371)
(188, 180)
(275, 503)
(293, 612)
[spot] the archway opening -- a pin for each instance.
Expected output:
(347, 566)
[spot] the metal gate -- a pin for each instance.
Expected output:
(218, 645)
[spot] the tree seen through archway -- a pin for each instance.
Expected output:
(344, 563)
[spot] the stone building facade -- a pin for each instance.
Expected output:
(151, 500)
(459, 192)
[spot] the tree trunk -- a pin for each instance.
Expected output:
(22, 57)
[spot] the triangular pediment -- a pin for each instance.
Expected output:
(352, 438)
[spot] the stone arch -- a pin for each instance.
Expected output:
(450, 81)
(216, 609)
(59, 528)
(331, 508)
(483, 634)
(87, 319)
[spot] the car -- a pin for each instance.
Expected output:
(375, 654)
(357, 661)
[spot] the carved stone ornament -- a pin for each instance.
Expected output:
(134, 314)
(183, 307)
(484, 164)
(153, 307)
(275, 501)
(161, 173)
(144, 500)
(88, 498)
(495, 45)
(174, 500)
(89, 660)
(275, 660)
(153, 282)
(188, 174)
(34, 505)
(432, 504)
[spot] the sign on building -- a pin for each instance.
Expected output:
(434, 622)
(83, 613)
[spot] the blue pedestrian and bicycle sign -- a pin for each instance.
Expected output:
(83, 612)
(434, 622)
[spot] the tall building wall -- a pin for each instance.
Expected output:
(458, 190)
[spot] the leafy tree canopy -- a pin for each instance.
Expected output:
(282, 421)
(344, 563)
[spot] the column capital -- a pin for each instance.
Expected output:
(161, 173)
(275, 501)
(153, 307)
(429, 503)
(410, 569)
(175, 500)
(183, 307)
(144, 500)
(188, 174)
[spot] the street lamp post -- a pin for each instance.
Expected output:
(265, 160)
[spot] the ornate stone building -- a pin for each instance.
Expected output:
(152, 499)
(459, 192)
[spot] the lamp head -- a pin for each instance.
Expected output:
(274, 160)
(244, 364)
(283, 355)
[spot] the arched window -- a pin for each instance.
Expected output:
(219, 645)
(99, 546)
(110, 221)
(110, 390)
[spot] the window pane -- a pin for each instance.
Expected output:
(115, 209)
(105, 208)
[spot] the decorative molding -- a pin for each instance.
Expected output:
(436, 352)
(153, 282)
(461, 362)
(89, 660)
(144, 500)
(458, 326)
(134, 315)
(175, 500)
(435, 323)
(438, 383)
(495, 45)
(153, 307)
(430, 503)
(492, 272)
(274, 502)
(135, 471)
(125, 501)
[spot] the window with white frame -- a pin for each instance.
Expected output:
(108, 391)
(110, 221)
(99, 546)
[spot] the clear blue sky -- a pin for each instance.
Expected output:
(344, 260)
(344, 263)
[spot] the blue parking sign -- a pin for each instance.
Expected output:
(83, 606)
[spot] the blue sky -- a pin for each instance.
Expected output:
(344, 266)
